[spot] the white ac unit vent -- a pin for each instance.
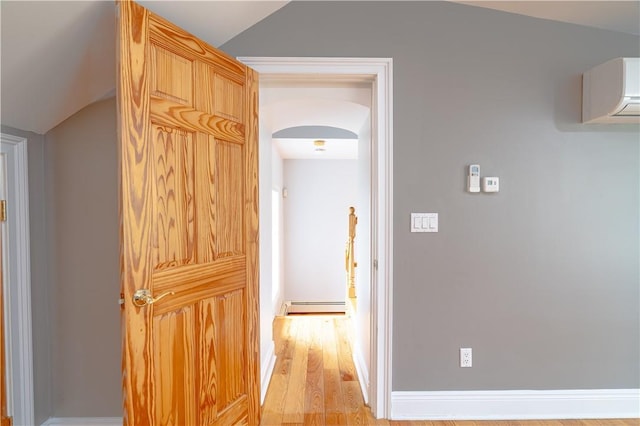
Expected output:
(611, 92)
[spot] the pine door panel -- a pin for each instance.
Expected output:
(188, 146)
(228, 98)
(171, 76)
(174, 196)
(174, 349)
(228, 341)
(205, 188)
(229, 223)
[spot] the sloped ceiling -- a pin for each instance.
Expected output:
(620, 16)
(59, 56)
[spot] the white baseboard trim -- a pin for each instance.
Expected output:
(294, 307)
(363, 374)
(83, 421)
(267, 365)
(516, 405)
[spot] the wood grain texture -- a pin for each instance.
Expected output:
(314, 385)
(252, 219)
(333, 396)
(343, 402)
(207, 377)
(174, 350)
(228, 98)
(189, 227)
(171, 76)
(192, 276)
(230, 201)
(230, 348)
(135, 195)
(176, 115)
(345, 357)
(165, 34)
(294, 402)
(174, 195)
(205, 193)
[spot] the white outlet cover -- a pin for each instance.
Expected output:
(466, 357)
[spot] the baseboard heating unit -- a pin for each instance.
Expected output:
(291, 307)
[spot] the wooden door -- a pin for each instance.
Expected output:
(189, 227)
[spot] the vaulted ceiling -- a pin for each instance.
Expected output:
(59, 56)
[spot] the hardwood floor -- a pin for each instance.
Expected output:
(314, 381)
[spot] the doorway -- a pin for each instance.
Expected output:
(17, 280)
(377, 73)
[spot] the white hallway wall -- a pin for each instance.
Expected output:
(363, 249)
(316, 209)
(270, 178)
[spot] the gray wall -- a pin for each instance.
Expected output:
(73, 212)
(83, 261)
(541, 279)
(40, 302)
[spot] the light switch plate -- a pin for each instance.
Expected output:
(424, 222)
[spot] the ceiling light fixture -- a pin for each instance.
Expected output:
(319, 146)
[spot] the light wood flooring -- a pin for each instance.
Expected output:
(315, 383)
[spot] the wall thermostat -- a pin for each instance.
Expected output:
(490, 184)
(473, 181)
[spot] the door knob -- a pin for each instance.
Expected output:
(143, 297)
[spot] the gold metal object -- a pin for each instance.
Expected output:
(3, 210)
(143, 297)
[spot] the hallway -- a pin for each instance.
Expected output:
(314, 381)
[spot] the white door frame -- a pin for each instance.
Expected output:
(17, 287)
(379, 71)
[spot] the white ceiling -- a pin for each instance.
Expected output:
(304, 149)
(311, 111)
(621, 16)
(315, 103)
(59, 56)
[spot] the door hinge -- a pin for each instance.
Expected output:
(3, 210)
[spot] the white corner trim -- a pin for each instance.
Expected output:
(19, 356)
(83, 421)
(267, 365)
(363, 374)
(380, 72)
(516, 405)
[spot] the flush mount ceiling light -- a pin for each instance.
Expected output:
(319, 146)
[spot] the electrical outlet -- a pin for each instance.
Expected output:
(465, 357)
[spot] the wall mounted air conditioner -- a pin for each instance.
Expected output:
(611, 92)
